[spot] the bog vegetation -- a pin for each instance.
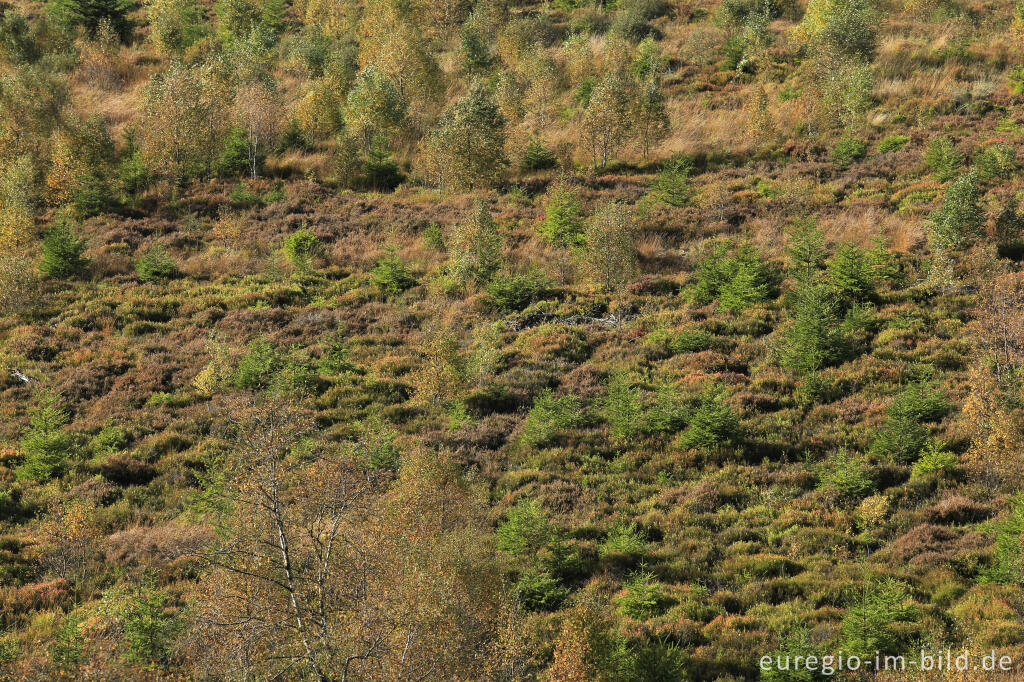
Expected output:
(481, 340)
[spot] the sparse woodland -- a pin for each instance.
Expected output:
(485, 340)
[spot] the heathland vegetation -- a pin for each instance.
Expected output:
(475, 339)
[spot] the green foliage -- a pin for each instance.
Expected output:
(847, 476)
(17, 44)
(621, 407)
(814, 337)
(46, 446)
(176, 25)
(942, 158)
(133, 175)
(738, 277)
(537, 156)
(563, 217)
(850, 274)
(62, 252)
(806, 250)
(713, 423)
(91, 15)
(474, 48)
(904, 434)
(848, 149)
(644, 596)
(623, 540)
(1010, 230)
(1008, 557)
(149, 629)
(850, 28)
(1015, 77)
(301, 248)
(475, 248)
(155, 264)
(877, 623)
(515, 292)
(548, 417)
(255, 370)
(375, 108)
(538, 590)
(233, 160)
(525, 529)
(934, 459)
(391, 276)
(109, 440)
(244, 20)
(67, 649)
(467, 149)
(996, 161)
(433, 236)
(672, 183)
(892, 143)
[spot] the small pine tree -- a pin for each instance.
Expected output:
(672, 184)
(68, 15)
(46, 446)
(961, 219)
(390, 275)
(814, 338)
(148, 627)
(155, 264)
(943, 159)
(713, 424)
(872, 626)
(301, 248)
(622, 408)
(563, 220)
(850, 274)
(475, 248)
(62, 252)
(66, 652)
(611, 256)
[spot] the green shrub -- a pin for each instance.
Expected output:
(621, 407)
(644, 597)
(525, 530)
(934, 459)
(149, 627)
(67, 649)
(847, 476)
(847, 150)
(255, 370)
(550, 416)
(434, 237)
(672, 183)
(302, 247)
(537, 156)
(892, 143)
(624, 540)
(736, 277)
(942, 158)
(46, 446)
(814, 337)
(713, 424)
(563, 217)
(233, 160)
(996, 160)
(877, 624)
(691, 340)
(850, 274)
(538, 590)
(1008, 558)
(391, 276)
(109, 440)
(904, 434)
(155, 264)
(515, 292)
(62, 252)
(68, 15)
(1016, 79)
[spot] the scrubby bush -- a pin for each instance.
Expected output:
(155, 264)
(563, 217)
(960, 220)
(537, 156)
(934, 459)
(996, 160)
(904, 433)
(515, 292)
(255, 370)
(892, 143)
(391, 276)
(644, 596)
(847, 150)
(46, 446)
(92, 16)
(942, 158)
(672, 183)
(538, 590)
(623, 540)
(847, 476)
(736, 277)
(302, 247)
(548, 417)
(62, 252)
(713, 423)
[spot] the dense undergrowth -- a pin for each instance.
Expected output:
(448, 384)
